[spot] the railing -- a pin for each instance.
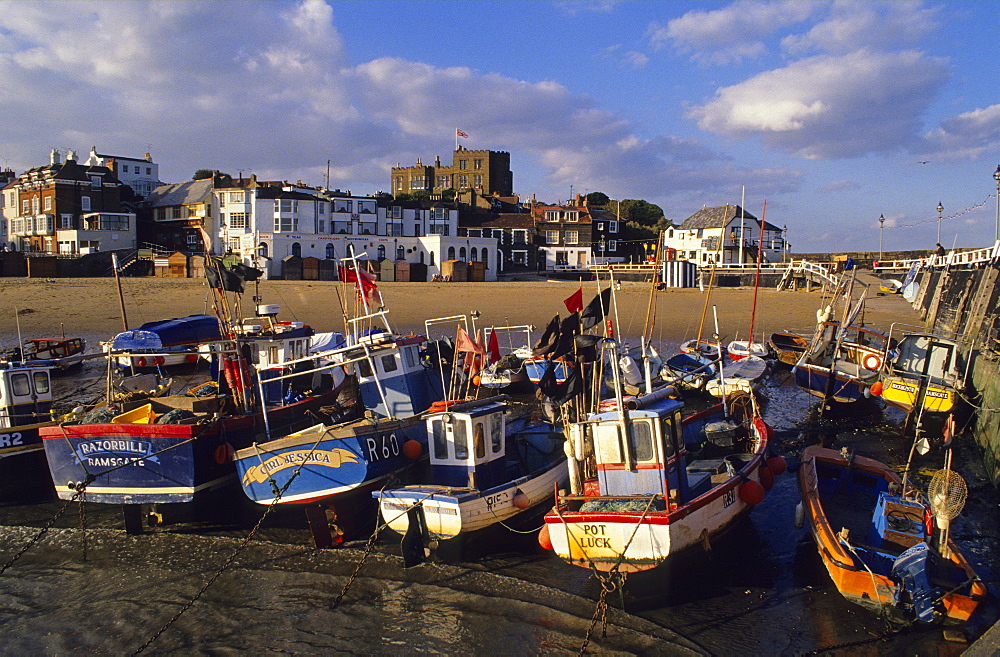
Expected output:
(954, 259)
(812, 269)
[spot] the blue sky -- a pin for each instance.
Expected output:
(834, 112)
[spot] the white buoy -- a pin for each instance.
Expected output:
(800, 516)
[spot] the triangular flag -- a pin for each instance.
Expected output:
(494, 347)
(574, 302)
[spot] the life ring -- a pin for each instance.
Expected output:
(872, 362)
(439, 406)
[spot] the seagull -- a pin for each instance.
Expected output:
(924, 162)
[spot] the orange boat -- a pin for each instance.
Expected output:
(873, 538)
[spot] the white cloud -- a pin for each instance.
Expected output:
(968, 135)
(852, 25)
(830, 106)
(731, 34)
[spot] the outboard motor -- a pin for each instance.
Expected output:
(910, 571)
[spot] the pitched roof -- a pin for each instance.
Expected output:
(185, 193)
(720, 216)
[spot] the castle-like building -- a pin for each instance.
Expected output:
(486, 172)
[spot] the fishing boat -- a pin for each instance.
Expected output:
(390, 389)
(164, 342)
(25, 406)
(788, 347)
(739, 349)
(926, 372)
(852, 358)
(647, 483)
(704, 348)
(175, 447)
(746, 375)
(489, 465)
(873, 535)
(690, 371)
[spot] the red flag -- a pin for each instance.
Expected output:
(465, 343)
(460, 133)
(364, 281)
(574, 302)
(494, 347)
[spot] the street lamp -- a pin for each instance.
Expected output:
(996, 176)
(881, 227)
(940, 209)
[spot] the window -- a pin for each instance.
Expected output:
(286, 224)
(366, 228)
(551, 215)
(613, 245)
(463, 165)
(477, 180)
(286, 205)
(95, 182)
(296, 249)
(474, 254)
(552, 237)
(395, 212)
(238, 220)
(234, 244)
(479, 440)
(389, 363)
(262, 249)
(439, 440)
(47, 204)
(381, 251)
(395, 230)
(451, 253)
(600, 226)
(439, 214)
(20, 385)
(521, 236)
(85, 204)
(572, 215)
(474, 232)
(321, 227)
(399, 183)
(34, 205)
(192, 240)
(331, 252)
(463, 181)
(444, 181)
(341, 227)
(25, 206)
(400, 253)
(66, 221)
(343, 205)
(572, 237)
(485, 259)
(366, 207)
(149, 171)
(477, 164)
(322, 207)
(641, 441)
(461, 440)
(235, 197)
(417, 182)
(461, 253)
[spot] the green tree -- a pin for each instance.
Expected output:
(202, 174)
(640, 212)
(597, 200)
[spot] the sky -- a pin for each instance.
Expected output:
(831, 113)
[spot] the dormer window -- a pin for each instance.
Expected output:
(95, 182)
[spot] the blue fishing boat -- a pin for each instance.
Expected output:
(690, 370)
(25, 406)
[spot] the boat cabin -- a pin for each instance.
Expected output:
(923, 355)
(468, 447)
(51, 348)
(641, 453)
(25, 394)
(393, 382)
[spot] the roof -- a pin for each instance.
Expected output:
(70, 170)
(277, 192)
(719, 216)
(185, 193)
(501, 220)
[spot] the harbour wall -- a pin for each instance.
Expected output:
(966, 302)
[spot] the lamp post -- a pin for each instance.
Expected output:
(996, 176)
(881, 227)
(940, 209)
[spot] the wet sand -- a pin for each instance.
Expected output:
(90, 306)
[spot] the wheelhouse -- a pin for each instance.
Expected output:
(468, 448)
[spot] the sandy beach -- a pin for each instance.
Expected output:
(90, 307)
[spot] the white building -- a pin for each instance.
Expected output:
(723, 234)
(266, 224)
(143, 176)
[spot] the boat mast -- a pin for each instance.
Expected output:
(118, 283)
(756, 280)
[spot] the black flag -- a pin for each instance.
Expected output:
(597, 309)
(222, 278)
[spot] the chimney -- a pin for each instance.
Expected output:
(437, 161)
(419, 163)
(71, 155)
(54, 157)
(578, 202)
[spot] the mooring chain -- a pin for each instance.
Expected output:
(46, 527)
(82, 493)
(368, 549)
(600, 613)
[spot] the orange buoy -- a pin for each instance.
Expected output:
(777, 465)
(543, 538)
(476, 380)
(766, 478)
(876, 388)
(224, 453)
(412, 449)
(751, 492)
(521, 501)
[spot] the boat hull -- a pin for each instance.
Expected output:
(138, 463)
(856, 581)
(903, 394)
(453, 512)
(318, 465)
(814, 380)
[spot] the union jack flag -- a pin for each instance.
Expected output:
(460, 133)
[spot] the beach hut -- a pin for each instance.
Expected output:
(455, 270)
(41, 267)
(327, 269)
(477, 271)
(177, 265)
(196, 266)
(387, 270)
(310, 268)
(291, 268)
(411, 272)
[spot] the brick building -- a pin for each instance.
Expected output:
(486, 172)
